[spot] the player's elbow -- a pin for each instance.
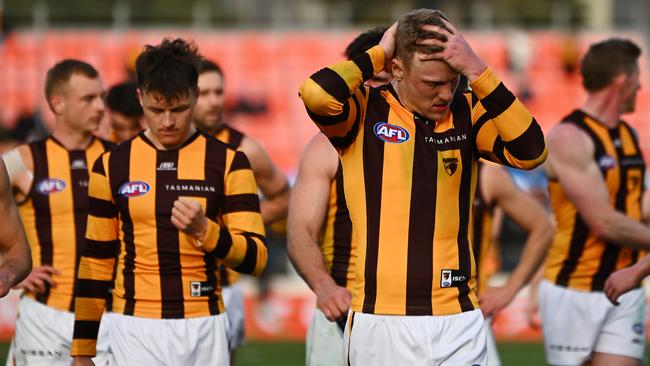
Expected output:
(545, 231)
(530, 161)
(262, 260)
(317, 100)
(601, 227)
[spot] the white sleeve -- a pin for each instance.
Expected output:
(15, 164)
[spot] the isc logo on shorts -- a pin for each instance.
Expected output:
(390, 133)
(50, 185)
(133, 189)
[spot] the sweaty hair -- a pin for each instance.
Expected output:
(169, 69)
(123, 98)
(607, 59)
(209, 66)
(409, 31)
(364, 42)
(61, 73)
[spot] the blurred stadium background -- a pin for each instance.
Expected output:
(266, 48)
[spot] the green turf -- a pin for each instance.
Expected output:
(271, 354)
(4, 347)
(293, 354)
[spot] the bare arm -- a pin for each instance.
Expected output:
(270, 180)
(629, 278)
(528, 214)
(571, 162)
(307, 210)
(16, 255)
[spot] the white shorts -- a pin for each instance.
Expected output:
(577, 324)
(390, 340)
(233, 300)
(324, 342)
(44, 336)
(492, 351)
(144, 341)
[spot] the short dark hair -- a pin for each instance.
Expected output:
(61, 73)
(364, 41)
(169, 69)
(123, 98)
(409, 30)
(607, 59)
(209, 66)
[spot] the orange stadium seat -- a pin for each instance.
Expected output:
(271, 65)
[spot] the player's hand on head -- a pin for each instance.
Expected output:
(621, 282)
(387, 43)
(188, 217)
(447, 44)
(38, 279)
(495, 299)
(334, 301)
(82, 361)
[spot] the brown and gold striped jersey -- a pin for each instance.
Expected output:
(336, 239)
(410, 182)
(483, 216)
(232, 138)
(577, 258)
(54, 213)
(161, 273)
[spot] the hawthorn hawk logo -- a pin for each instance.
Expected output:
(451, 164)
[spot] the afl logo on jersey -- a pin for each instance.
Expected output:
(133, 189)
(607, 162)
(50, 185)
(390, 133)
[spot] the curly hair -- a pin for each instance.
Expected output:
(169, 69)
(409, 30)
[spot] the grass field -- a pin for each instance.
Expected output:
(293, 354)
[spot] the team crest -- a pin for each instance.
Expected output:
(451, 164)
(50, 185)
(133, 189)
(390, 133)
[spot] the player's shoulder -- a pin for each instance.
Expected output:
(494, 177)
(319, 154)
(319, 147)
(567, 133)
(233, 131)
(106, 144)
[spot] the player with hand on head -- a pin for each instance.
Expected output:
(320, 243)
(166, 208)
(409, 151)
(596, 179)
